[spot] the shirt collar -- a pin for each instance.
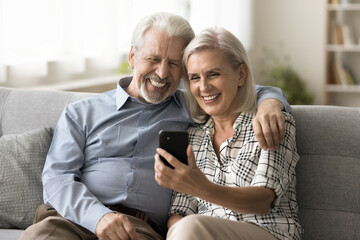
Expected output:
(122, 96)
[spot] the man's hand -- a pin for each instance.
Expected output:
(269, 125)
(115, 226)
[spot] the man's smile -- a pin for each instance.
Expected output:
(157, 84)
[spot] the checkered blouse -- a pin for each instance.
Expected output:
(244, 163)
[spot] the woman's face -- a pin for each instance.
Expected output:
(214, 82)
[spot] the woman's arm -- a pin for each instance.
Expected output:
(246, 200)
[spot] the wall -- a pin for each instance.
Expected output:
(296, 28)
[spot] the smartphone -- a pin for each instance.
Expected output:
(175, 143)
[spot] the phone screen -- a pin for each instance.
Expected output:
(176, 143)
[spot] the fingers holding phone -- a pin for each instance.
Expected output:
(175, 165)
(183, 178)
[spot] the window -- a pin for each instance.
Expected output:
(43, 41)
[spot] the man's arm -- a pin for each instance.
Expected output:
(62, 188)
(268, 123)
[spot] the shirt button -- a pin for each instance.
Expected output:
(133, 166)
(129, 190)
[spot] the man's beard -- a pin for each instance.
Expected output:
(155, 97)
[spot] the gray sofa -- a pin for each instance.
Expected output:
(328, 141)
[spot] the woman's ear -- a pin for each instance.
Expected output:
(131, 57)
(242, 74)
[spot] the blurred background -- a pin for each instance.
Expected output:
(310, 48)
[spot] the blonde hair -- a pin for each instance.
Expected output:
(220, 39)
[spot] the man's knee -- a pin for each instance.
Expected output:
(39, 230)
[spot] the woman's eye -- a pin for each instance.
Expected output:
(194, 77)
(214, 74)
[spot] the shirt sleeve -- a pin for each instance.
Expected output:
(61, 176)
(183, 204)
(276, 170)
(267, 92)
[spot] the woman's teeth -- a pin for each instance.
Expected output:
(157, 84)
(208, 98)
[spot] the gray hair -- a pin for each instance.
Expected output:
(173, 25)
(220, 39)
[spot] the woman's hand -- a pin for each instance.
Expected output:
(183, 178)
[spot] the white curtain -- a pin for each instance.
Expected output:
(43, 41)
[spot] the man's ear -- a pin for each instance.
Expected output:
(242, 74)
(131, 57)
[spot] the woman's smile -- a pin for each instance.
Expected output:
(211, 98)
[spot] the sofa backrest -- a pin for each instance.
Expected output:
(328, 173)
(23, 110)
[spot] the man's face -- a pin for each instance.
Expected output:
(157, 67)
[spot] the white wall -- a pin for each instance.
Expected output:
(296, 28)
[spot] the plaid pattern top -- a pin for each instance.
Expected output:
(244, 163)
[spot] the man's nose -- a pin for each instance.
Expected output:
(163, 70)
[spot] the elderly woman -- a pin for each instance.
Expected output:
(231, 188)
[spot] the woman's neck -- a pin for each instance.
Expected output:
(224, 124)
(223, 130)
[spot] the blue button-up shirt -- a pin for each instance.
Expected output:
(103, 154)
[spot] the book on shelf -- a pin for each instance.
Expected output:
(341, 75)
(349, 77)
(343, 34)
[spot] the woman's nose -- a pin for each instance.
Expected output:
(204, 84)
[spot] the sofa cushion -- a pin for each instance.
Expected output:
(22, 158)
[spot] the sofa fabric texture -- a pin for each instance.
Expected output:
(328, 189)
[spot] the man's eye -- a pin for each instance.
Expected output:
(174, 64)
(153, 60)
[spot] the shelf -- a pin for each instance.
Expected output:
(342, 59)
(343, 48)
(343, 88)
(344, 7)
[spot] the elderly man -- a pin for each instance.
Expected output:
(99, 173)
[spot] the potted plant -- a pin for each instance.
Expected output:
(280, 74)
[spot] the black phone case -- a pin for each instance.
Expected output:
(174, 142)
